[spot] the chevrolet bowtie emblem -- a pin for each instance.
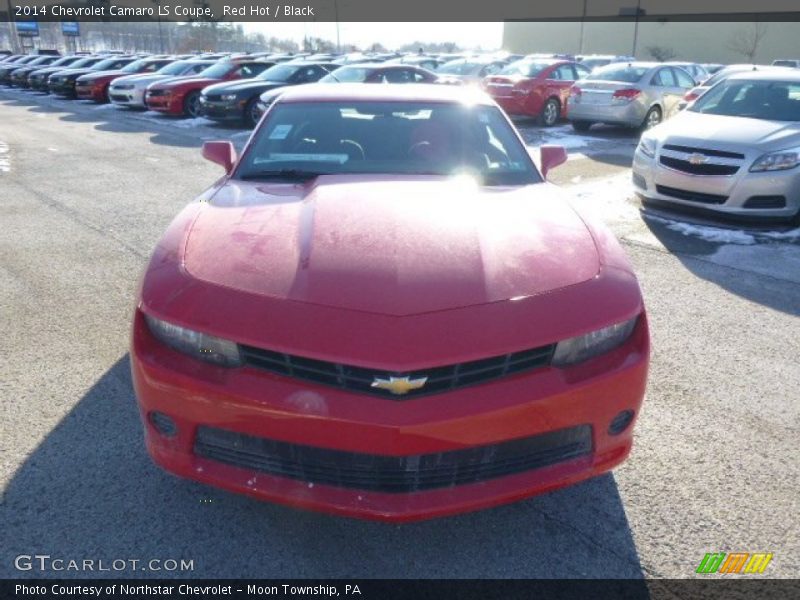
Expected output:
(698, 159)
(399, 385)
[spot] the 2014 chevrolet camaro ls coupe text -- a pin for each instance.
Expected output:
(382, 310)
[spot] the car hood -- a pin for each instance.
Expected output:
(253, 85)
(736, 132)
(143, 79)
(187, 81)
(397, 247)
(100, 74)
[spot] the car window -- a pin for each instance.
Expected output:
(581, 71)
(769, 100)
(388, 137)
(491, 69)
(346, 74)
(664, 78)
(251, 70)
(306, 74)
(627, 74)
(565, 73)
(683, 78)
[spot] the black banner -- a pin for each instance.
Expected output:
(400, 11)
(712, 588)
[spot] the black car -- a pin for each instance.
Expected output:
(7, 68)
(237, 100)
(37, 80)
(62, 83)
(19, 77)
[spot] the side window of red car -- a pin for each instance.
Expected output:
(565, 73)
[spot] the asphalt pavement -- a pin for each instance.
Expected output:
(86, 192)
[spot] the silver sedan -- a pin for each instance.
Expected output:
(734, 152)
(635, 94)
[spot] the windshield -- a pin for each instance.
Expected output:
(174, 68)
(84, 62)
(458, 67)
(278, 73)
(626, 73)
(111, 64)
(136, 65)
(66, 60)
(217, 70)
(525, 68)
(306, 139)
(768, 100)
(347, 75)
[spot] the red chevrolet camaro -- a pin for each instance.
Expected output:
(383, 310)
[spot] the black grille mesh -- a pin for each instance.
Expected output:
(360, 379)
(392, 474)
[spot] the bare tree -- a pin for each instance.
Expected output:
(661, 53)
(747, 40)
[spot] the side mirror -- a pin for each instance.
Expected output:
(222, 153)
(552, 156)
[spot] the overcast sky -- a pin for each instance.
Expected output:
(391, 35)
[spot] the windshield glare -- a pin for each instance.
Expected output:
(626, 74)
(346, 75)
(460, 67)
(387, 138)
(217, 70)
(525, 68)
(173, 68)
(768, 100)
(135, 65)
(278, 73)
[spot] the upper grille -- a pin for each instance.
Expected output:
(702, 169)
(392, 474)
(706, 151)
(156, 92)
(360, 379)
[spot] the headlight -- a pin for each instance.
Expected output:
(777, 161)
(198, 345)
(228, 97)
(584, 347)
(647, 146)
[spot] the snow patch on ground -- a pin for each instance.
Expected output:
(608, 199)
(5, 159)
(708, 233)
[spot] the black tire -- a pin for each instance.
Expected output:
(191, 105)
(581, 125)
(652, 118)
(250, 119)
(551, 111)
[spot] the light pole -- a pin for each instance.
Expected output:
(583, 24)
(635, 12)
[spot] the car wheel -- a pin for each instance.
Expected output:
(581, 125)
(652, 118)
(251, 115)
(550, 113)
(191, 105)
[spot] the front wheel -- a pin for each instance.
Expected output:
(251, 113)
(652, 118)
(550, 113)
(191, 105)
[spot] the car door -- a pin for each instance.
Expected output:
(665, 90)
(685, 83)
(558, 83)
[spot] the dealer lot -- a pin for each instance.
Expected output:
(85, 193)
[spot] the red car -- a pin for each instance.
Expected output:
(181, 96)
(382, 310)
(535, 88)
(94, 86)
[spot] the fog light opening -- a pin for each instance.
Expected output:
(621, 422)
(163, 424)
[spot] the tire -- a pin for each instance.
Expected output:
(581, 125)
(652, 118)
(551, 111)
(191, 105)
(250, 119)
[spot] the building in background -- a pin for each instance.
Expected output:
(705, 42)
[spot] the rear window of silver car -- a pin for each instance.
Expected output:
(628, 74)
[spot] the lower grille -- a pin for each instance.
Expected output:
(691, 196)
(119, 98)
(360, 379)
(701, 169)
(392, 474)
(765, 202)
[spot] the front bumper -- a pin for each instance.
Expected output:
(278, 409)
(127, 97)
(90, 92)
(630, 115)
(171, 104)
(222, 111)
(62, 88)
(768, 195)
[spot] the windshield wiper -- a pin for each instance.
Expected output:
(284, 174)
